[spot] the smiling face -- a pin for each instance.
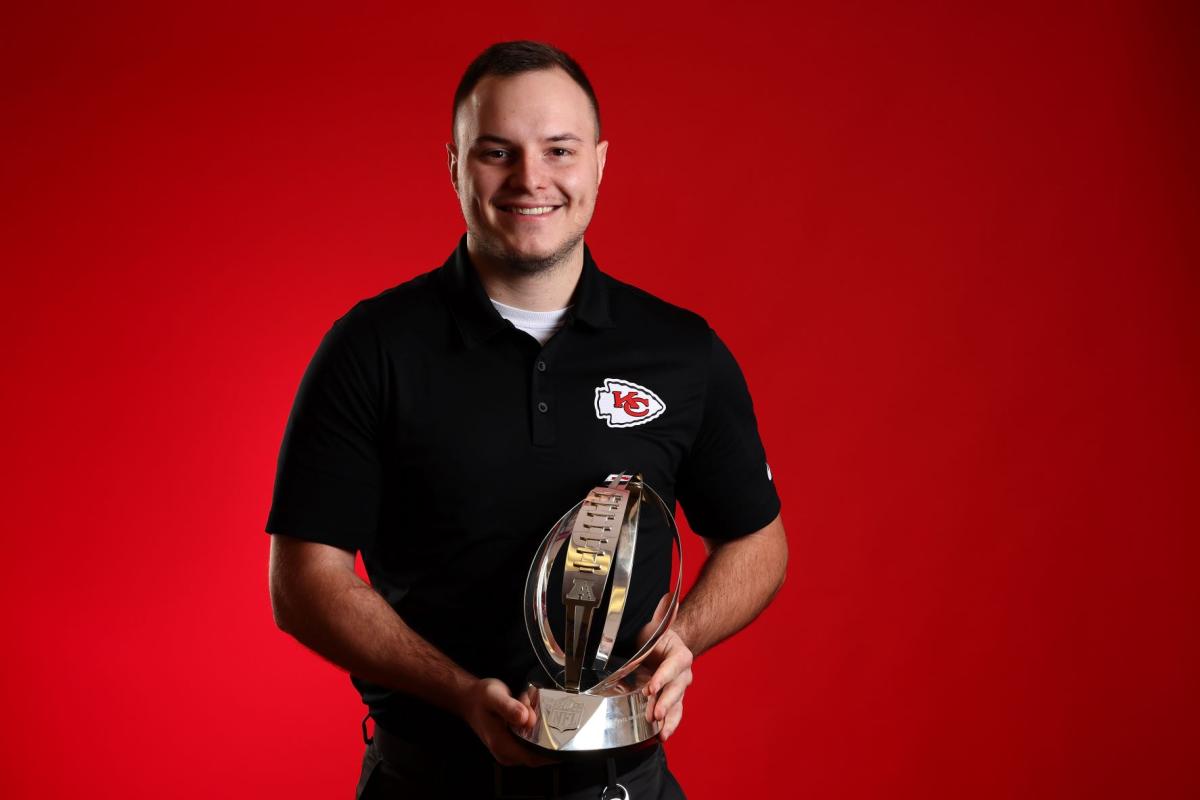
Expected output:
(526, 166)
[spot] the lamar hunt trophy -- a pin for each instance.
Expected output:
(585, 706)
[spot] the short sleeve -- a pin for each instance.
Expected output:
(327, 482)
(725, 485)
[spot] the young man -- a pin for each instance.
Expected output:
(444, 425)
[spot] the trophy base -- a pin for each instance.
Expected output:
(578, 722)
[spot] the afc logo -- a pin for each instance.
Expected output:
(622, 404)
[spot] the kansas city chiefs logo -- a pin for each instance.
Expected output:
(622, 404)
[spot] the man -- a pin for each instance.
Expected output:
(445, 424)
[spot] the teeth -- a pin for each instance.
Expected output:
(533, 212)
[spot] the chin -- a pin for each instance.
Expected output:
(530, 255)
(531, 250)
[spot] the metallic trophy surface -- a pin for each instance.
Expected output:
(584, 706)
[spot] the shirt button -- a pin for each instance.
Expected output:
(542, 407)
(541, 366)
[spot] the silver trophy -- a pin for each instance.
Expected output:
(586, 705)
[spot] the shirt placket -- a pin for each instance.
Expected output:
(542, 401)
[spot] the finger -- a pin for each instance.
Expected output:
(507, 707)
(650, 708)
(673, 664)
(672, 694)
(672, 721)
(659, 612)
(517, 714)
(528, 699)
(658, 680)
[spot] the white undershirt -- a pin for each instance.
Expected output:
(541, 325)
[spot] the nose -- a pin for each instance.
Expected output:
(528, 173)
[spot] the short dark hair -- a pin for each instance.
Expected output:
(513, 58)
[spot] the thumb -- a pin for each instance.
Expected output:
(510, 710)
(514, 713)
(661, 611)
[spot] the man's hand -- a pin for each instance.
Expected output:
(490, 710)
(671, 660)
(317, 598)
(737, 581)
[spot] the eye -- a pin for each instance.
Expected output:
(499, 154)
(559, 152)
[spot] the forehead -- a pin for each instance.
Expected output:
(535, 104)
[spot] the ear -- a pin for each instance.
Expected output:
(601, 157)
(452, 164)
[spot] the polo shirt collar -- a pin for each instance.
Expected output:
(477, 318)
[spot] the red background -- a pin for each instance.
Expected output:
(954, 249)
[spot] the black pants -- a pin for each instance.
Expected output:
(395, 769)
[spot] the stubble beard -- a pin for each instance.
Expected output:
(523, 264)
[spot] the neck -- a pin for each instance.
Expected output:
(549, 289)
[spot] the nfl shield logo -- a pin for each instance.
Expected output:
(565, 715)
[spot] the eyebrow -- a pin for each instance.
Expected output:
(493, 139)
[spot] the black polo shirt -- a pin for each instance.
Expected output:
(443, 443)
